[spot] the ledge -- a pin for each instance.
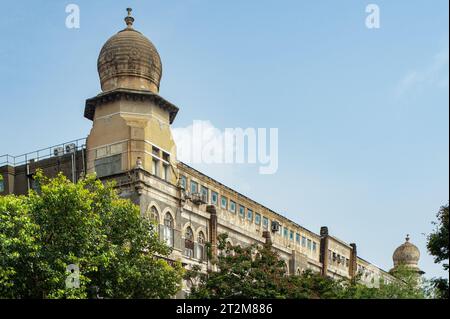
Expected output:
(127, 94)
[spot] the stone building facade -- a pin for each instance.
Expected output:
(131, 142)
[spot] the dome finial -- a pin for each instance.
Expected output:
(129, 19)
(407, 237)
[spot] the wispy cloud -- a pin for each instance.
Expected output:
(435, 74)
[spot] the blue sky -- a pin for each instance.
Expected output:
(362, 113)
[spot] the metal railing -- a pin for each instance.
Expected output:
(55, 150)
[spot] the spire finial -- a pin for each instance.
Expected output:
(129, 19)
(407, 237)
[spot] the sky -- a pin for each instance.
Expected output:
(362, 114)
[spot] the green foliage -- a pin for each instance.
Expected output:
(258, 272)
(408, 285)
(437, 245)
(88, 225)
(250, 272)
(310, 285)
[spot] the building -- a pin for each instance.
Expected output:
(131, 142)
(406, 255)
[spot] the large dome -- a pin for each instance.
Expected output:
(128, 60)
(406, 254)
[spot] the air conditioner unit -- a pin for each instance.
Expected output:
(70, 148)
(186, 195)
(58, 151)
(198, 198)
(275, 226)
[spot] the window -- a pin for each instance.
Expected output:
(265, 223)
(201, 246)
(205, 193)
(291, 235)
(249, 214)
(166, 157)
(214, 198)
(183, 181)
(314, 246)
(242, 211)
(224, 202)
(189, 243)
(303, 241)
(309, 244)
(155, 167)
(35, 185)
(2, 185)
(285, 232)
(155, 151)
(232, 206)
(166, 172)
(168, 229)
(154, 216)
(297, 238)
(194, 187)
(346, 262)
(257, 219)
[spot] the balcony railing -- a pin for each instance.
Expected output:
(55, 150)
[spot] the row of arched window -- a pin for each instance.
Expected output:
(192, 249)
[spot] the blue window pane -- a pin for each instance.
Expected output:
(265, 222)
(194, 187)
(224, 202)
(232, 206)
(242, 211)
(214, 198)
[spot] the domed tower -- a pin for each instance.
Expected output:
(407, 255)
(131, 121)
(129, 60)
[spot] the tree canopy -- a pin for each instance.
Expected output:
(437, 246)
(257, 271)
(84, 226)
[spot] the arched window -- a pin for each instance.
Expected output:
(154, 217)
(286, 269)
(154, 214)
(201, 246)
(189, 243)
(168, 229)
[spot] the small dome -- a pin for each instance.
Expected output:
(128, 60)
(406, 254)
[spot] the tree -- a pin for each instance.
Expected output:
(258, 272)
(408, 285)
(242, 272)
(87, 225)
(437, 246)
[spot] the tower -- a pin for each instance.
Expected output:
(130, 120)
(406, 255)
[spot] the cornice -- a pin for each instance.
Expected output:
(127, 94)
